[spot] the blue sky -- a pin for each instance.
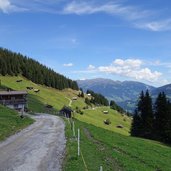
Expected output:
(117, 39)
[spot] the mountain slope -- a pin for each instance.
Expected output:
(58, 98)
(124, 93)
(99, 146)
(166, 89)
(96, 117)
(47, 95)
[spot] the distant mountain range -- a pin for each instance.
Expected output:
(123, 93)
(166, 89)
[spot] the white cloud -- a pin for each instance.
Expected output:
(134, 63)
(131, 68)
(6, 6)
(134, 15)
(91, 67)
(128, 12)
(163, 25)
(137, 17)
(68, 65)
(134, 69)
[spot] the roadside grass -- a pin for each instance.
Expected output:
(10, 122)
(34, 104)
(91, 157)
(113, 151)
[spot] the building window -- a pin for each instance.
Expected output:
(16, 106)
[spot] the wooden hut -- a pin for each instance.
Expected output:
(14, 99)
(66, 112)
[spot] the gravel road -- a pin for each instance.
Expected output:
(40, 147)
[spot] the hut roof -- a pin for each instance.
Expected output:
(66, 108)
(13, 92)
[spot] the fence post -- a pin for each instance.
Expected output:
(78, 142)
(73, 128)
(101, 168)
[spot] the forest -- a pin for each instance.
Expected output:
(152, 120)
(97, 99)
(14, 64)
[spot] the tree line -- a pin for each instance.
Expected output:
(97, 99)
(152, 120)
(114, 106)
(16, 64)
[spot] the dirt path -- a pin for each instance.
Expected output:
(39, 147)
(70, 101)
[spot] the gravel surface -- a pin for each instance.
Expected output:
(40, 147)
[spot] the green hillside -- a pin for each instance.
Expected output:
(101, 145)
(57, 98)
(47, 95)
(96, 117)
(10, 122)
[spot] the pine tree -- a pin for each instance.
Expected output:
(82, 93)
(114, 106)
(136, 127)
(162, 118)
(147, 116)
(142, 124)
(3, 67)
(169, 122)
(87, 101)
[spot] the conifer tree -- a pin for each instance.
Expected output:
(142, 124)
(136, 127)
(147, 116)
(82, 93)
(162, 118)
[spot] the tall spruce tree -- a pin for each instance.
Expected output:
(162, 121)
(147, 116)
(142, 124)
(82, 93)
(137, 127)
(169, 122)
(137, 123)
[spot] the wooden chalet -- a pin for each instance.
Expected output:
(66, 112)
(14, 99)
